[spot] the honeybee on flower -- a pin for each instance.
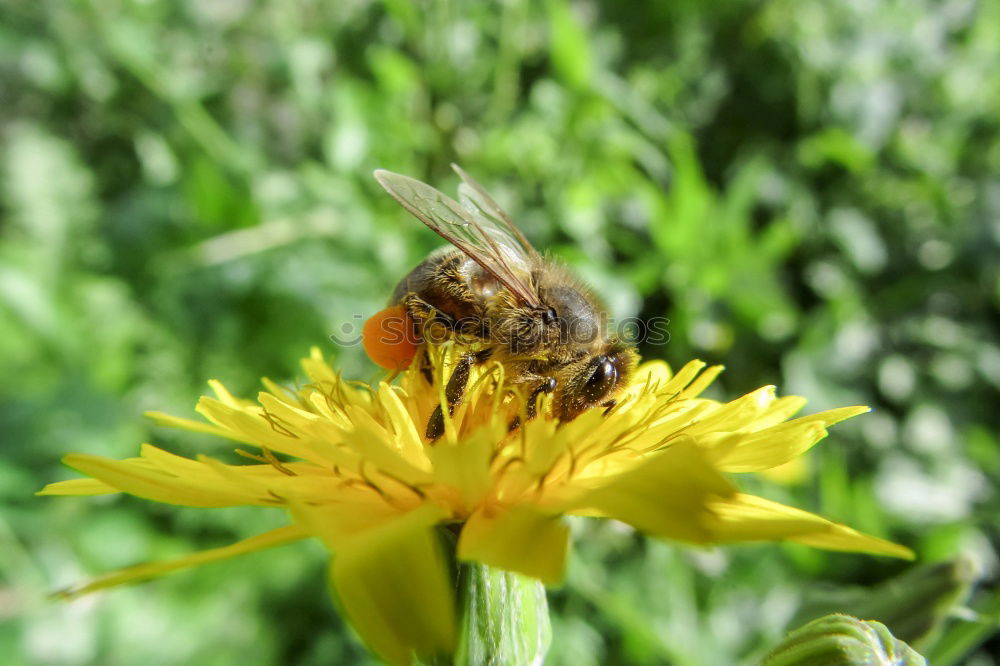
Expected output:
(495, 291)
(359, 467)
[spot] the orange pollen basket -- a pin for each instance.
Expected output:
(390, 338)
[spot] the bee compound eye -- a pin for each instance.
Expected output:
(549, 316)
(601, 381)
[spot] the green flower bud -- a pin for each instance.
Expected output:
(842, 640)
(913, 605)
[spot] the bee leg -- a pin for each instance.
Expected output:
(425, 367)
(453, 393)
(435, 425)
(548, 385)
(433, 325)
(482, 355)
(455, 389)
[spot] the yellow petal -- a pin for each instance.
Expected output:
(754, 452)
(791, 473)
(408, 441)
(749, 518)
(841, 537)
(277, 537)
(377, 444)
(227, 398)
(393, 584)
(466, 467)
(310, 434)
(769, 447)
(319, 364)
(666, 495)
(302, 482)
(253, 428)
(651, 375)
(280, 392)
(170, 421)
(321, 374)
(735, 415)
(202, 489)
(351, 511)
(831, 416)
(679, 381)
(779, 410)
(744, 517)
(518, 539)
(695, 388)
(78, 487)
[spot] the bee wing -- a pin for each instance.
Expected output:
(490, 245)
(490, 215)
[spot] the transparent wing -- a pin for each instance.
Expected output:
(490, 215)
(494, 247)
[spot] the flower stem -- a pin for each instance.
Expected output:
(504, 618)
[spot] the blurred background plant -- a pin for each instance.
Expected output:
(808, 190)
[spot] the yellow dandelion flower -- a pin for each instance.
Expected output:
(350, 465)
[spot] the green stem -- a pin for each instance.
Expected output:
(504, 618)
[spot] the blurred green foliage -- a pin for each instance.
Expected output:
(807, 189)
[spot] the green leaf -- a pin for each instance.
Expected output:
(570, 51)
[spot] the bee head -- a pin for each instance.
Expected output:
(594, 379)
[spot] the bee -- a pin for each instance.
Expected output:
(493, 293)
